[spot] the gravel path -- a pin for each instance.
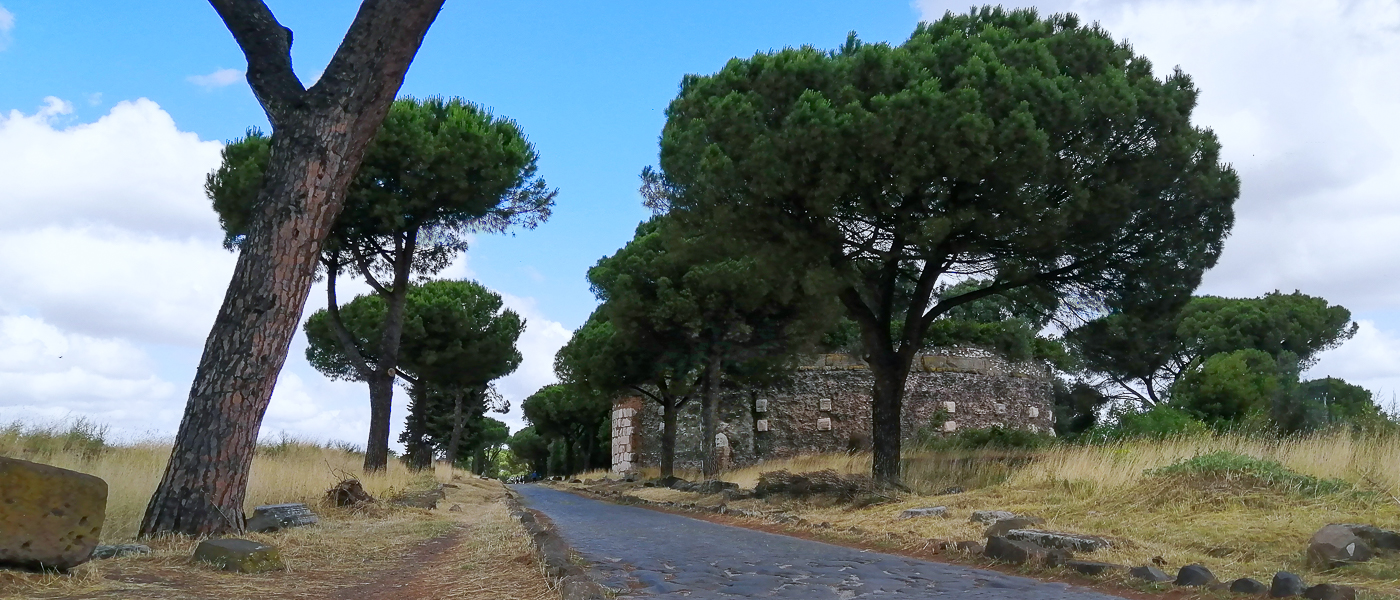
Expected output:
(649, 554)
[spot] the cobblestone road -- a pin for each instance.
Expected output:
(650, 554)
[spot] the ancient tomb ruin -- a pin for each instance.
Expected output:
(826, 408)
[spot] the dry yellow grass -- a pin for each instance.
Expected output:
(476, 552)
(1236, 529)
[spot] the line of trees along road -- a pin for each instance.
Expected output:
(438, 170)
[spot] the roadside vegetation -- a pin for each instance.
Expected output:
(482, 553)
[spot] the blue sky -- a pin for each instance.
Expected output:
(111, 113)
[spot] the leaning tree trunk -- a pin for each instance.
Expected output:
(709, 419)
(319, 138)
(381, 381)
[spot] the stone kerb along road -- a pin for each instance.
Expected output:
(647, 554)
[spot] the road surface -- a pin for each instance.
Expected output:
(650, 554)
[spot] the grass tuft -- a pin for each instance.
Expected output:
(1233, 469)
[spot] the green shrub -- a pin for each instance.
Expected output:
(1228, 466)
(992, 438)
(1227, 387)
(1160, 421)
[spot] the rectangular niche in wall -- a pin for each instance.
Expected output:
(950, 426)
(824, 424)
(1001, 408)
(1033, 412)
(950, 407)
(761, 424)
(760, 405)
(825, 405)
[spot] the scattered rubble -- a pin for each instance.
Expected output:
(348, 493)
(1150, 573)
(1285, 585)
(1055, 539)
(1336, 545)
(104, 552)
(276, 517)
(932, 511)
(1193, 576)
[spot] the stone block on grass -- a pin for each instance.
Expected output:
(1089, 567)
(1246, 585)
(1150, 573)
(1194, 576)
(1013, 551)
(276, 517)
(1286, 585)
(931, 511)
(1055, 539)
(119, 550)
(1336, 545)
(50, 518)
(242, 556)
(1005, 526)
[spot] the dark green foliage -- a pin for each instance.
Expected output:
(1322, 403)
(1077, 407)
(1143, 352)
(1228, 387)
(1038, 153)
(363, 317)
(233, 188)
(1160, 421)
(527, 445)
(571, 416)
(1246, 470)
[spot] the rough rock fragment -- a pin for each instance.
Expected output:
(50, 518)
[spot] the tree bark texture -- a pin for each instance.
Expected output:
(319, 138)
(885, 415)
(709, 419)
(381, 380)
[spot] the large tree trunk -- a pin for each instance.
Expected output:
(381, 403)
(319, 138)
(709, 419)
(887, 399)
(669, 409)
(381, 382)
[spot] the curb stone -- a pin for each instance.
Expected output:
(569, 578)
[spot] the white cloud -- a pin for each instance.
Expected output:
(7, 24)
(217, 79)
(1370, 360)
(541, 340)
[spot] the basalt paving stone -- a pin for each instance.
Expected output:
(648, 554)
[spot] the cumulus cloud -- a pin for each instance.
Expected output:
(217, 79)
(7, 24)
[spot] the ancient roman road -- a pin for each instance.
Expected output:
(649, 554)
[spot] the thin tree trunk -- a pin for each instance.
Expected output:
(455, 440)
(319, 138)
(668, 435)
(381, 382)
(709, 419)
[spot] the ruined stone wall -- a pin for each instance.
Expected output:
(826, 408)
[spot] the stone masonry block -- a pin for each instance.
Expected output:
(49, 517)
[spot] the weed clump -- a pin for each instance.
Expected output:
(1229, 468)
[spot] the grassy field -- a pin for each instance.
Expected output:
(1232, 510)
(475, 552)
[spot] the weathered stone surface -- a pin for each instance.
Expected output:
(737, 494)
(937, 546)
(102, 552)
(276, 517)
(1055, 539)
(1336, 545)
(1005, 526)
(1246, 585)
(987, 517)
(1375, 537)
(1089, 567)
(715, 486)
(243, 556)
(1150, 573)
(931, 511)
(1194, 575)
(1330, 591)
(1285, 585)
(1013, 551)
(50, 518)
(455, 508)
(970, 547)
(1057, 557)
